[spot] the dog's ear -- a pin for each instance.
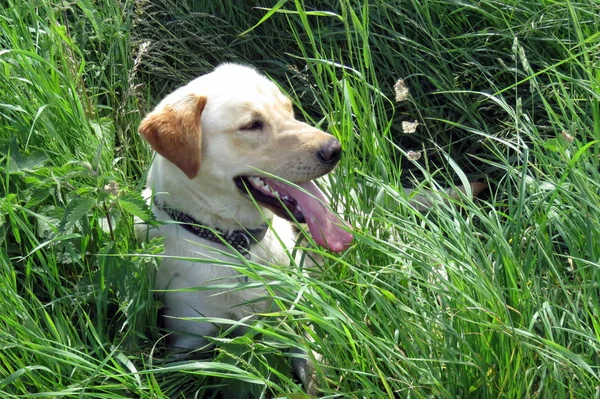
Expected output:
(174, 132)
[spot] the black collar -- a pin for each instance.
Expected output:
(240, 240)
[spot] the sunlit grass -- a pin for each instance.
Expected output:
(488, 298)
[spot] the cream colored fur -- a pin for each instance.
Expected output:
(226, 99)
(202, 132)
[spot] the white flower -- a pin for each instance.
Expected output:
(112, 188)
(567, 136)
(409, 127)
(413, 155)
(401, 90)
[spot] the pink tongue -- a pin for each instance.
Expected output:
(323, 224)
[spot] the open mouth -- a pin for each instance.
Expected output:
(306, 204)
(281, 204)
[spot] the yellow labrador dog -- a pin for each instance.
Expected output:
(213, 139)
(218, 142)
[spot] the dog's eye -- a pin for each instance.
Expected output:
(254, 125)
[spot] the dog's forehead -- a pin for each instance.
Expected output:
(238, 85)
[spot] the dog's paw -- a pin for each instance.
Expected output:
(304, 367)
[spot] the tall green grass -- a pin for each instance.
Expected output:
(491, 298)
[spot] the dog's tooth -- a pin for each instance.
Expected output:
(298, 208)
(285, 197)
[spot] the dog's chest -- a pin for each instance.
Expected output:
(192, 261)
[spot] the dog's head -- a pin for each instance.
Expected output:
(235, 126)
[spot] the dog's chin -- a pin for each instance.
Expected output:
(280, 204)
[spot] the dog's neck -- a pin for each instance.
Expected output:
(213, 202)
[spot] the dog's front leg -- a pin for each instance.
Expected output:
(304, 367)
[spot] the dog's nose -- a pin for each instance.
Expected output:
(331, 152)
